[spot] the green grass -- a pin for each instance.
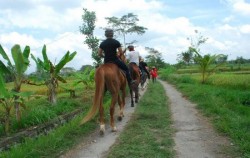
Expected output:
(227, 106)
(148, 134)
(53, 144)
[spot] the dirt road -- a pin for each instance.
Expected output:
(96, 146)
(194, 136)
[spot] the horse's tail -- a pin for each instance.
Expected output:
(99, 91)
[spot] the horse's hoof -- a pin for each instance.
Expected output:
(101, 133)
(132, 105)
(102, 130)
(114, 129)
(119, 118)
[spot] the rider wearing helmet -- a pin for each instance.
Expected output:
(109, 47)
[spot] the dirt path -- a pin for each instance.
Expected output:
(194, 136)
(96, 146)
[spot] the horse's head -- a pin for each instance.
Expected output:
(123, 56)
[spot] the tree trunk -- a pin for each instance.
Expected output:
(7, 122)
(17, 107)
(52, 91)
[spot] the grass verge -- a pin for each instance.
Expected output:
(148, 134)
(226, 107)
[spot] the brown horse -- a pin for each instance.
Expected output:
(135, 76)
(108, 77)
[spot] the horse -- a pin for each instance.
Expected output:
(144, 77)
(108, 77)
(135, 76)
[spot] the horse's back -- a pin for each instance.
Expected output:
(111, 74)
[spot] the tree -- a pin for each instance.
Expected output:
(154, 58)
(8, 98)
(222, 59)
(127, 24)
(16, 70)
(205, 62)
(50, 73)
(240, 60)
(87, 28)
(186, 56)
(197, 40)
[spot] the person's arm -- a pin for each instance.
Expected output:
(100, 52)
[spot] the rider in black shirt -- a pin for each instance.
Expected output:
(109, 48)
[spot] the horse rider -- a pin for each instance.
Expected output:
(133, 56)
(108, 50)
(143, 65)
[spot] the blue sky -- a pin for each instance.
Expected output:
(226, 24)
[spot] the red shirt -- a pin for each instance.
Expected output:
(153, 73)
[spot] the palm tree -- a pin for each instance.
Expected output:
(205, 62)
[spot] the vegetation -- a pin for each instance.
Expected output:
(8, 100)
(225, 99)
(127, 24)
(154, 58)
(21, 62)
(50, 73)
(205, 63)
(87, 29)
(148, 133)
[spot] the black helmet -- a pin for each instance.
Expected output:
(109, 33)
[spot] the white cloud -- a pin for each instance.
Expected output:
(242, 7)
(245, 29)
(167, 31)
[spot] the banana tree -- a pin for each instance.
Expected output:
(8, 99)
(50, 73)
(205, 62)
(17, 70)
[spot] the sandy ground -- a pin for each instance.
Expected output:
(194, 136)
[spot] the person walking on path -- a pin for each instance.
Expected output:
(154, 74)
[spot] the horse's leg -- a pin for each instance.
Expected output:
(123, 101)
(131, 96)
(136, 94)
(112, 111)
(102, 123)
(121, 108)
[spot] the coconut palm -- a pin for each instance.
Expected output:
(205, 62)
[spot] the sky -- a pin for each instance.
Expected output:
(169, 23)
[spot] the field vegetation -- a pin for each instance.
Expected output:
(224, 98)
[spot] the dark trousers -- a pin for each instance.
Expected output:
(124, 67)
(144, 69)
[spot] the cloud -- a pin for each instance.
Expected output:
(239, 6)
(242, 7)
(56, 24)
(245, 29)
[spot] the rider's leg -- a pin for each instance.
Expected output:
(124, 67)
